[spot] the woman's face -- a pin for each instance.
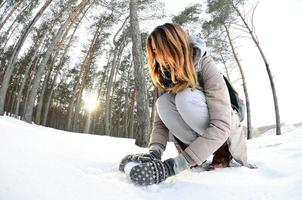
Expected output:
(165, 63)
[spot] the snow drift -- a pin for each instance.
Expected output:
(38, 163)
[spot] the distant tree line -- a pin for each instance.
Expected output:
(48, 65)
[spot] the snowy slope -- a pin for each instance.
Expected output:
(38, 163)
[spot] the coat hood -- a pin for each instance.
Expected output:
(199, 48)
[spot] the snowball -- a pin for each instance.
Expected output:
(129, 166)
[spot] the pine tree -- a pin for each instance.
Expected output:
(13, 58)
(143, 115)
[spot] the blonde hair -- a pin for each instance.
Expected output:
(173, 45)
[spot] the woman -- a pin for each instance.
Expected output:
(193, 105)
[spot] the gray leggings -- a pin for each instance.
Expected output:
(185, 114)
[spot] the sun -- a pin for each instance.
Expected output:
(90, 101)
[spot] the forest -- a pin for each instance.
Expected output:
(81, 65)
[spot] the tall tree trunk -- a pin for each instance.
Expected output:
(11, 26)
(117, 51)
(49, 97)
(41, 98)
(108, 92)
(47, 104)
(225, 66)
(249, 126)
(2, 4)
(10, 13)
(12, 107)
(99, 115)
(115, 63)
(57, 38)
(26, 73)
(110, 88)
(7, 39)
(7, 33)
(14, 88)
(103, 79)
(76, 113)
(275, 99)
(126, 108)
(118, 121)
(132, 113)
(116, 69)
(7, 104)
(77, 95)
(15, 53)
(29, 84)
(45, 83)
(70, 2)
(153, 107)
(6, 9)
(143, 115)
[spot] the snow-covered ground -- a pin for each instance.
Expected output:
(38, 163)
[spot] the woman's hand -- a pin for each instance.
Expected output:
(156, 171)
(139, 158)
(152, 172)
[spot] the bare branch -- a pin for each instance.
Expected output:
(232, 69)
(235, 48)
(252, 19)
(245, 31)
(244, 11)
(240, 25)
(123, 25)
(239, 79)
(253, 27)
(243, 36)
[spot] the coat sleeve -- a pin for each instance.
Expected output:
(219, 107)
(159, 133)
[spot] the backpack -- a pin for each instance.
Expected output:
(236, 102)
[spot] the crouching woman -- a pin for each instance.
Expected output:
(193, 105)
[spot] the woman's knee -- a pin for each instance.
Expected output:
(164, 102)
(191, 98)
(192, 106)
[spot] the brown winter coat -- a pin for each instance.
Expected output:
(224, 123)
